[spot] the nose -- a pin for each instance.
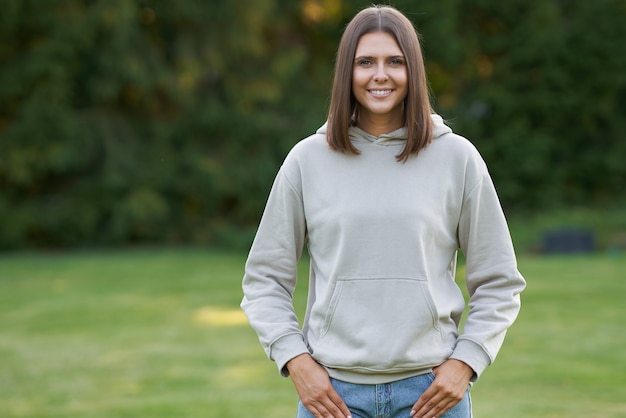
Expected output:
(380, 76)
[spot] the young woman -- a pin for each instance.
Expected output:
(383, 196)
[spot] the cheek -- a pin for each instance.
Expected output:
(401, 77)
(358, 85)
(357, 78)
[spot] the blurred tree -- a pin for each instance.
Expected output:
(126, 121)
(540, 90)
(160, 121)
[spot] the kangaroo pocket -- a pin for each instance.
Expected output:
(380, 324)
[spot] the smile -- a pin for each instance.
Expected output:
(380, 92)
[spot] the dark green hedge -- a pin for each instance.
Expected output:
(125, 121)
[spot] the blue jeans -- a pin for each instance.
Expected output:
(389, 400)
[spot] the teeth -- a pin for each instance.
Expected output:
(380, 92)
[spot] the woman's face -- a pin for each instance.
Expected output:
(379, 80)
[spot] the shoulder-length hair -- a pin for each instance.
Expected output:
(343, 110)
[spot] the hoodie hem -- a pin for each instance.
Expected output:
(374, 378)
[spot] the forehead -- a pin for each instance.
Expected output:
(377, 44)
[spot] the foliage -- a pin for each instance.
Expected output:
(128, 121)
(546, 100)
(160, 334)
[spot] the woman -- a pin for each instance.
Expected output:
(384, 195)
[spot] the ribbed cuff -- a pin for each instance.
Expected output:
(473, 355)
(286, 348)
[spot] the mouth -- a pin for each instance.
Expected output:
(380, 93)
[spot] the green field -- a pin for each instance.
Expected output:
(158, 333)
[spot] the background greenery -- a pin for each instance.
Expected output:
(164, 122)
(161, 121)
(159, 333)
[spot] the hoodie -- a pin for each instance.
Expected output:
(383, 236)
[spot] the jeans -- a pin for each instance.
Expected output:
(389, 400)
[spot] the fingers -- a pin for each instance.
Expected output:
(325, 402)
(315, 390)
(448, 389)
(434, 403)
(434, 407)
(341, 405)
(327, 408)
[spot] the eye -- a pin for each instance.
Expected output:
(364, 62)
(397, 61)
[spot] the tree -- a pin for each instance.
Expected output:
(128, 121)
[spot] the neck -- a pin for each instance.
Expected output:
(378, 125)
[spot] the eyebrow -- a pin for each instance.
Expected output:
(369, 57)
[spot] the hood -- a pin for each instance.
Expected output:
(392, 138)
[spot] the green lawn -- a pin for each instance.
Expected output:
(158, 333)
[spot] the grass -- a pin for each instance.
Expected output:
(158, 333)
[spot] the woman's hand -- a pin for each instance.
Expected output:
(314, 388)
(451, 380)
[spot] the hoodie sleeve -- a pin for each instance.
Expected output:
(270, 273)
(493, 281)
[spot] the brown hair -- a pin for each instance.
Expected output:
(343, 111)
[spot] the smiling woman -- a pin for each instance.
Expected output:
(386, 29)
(383, 196)
(379, 83)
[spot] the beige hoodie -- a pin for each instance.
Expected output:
(383, 237)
